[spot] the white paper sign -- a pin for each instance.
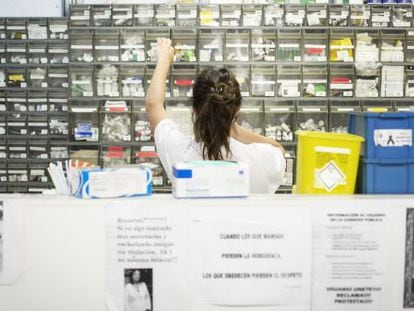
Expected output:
(150, 240)
(351, 255)
(252, 263)
(393, 137)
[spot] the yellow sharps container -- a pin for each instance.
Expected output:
(327, 163)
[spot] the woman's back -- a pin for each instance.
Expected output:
(266, 163)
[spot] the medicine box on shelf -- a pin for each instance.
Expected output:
(279, 120)
(387, 135)
(115, 156)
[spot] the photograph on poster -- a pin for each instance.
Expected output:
(1, 233)
(138, 290)
(409, 260)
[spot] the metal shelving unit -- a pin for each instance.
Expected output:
(108, 54)
(33, 92)
(279, 90)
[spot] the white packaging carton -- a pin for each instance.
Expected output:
(205, 179)
(98, 183)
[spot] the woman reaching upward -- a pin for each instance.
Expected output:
(216, 104)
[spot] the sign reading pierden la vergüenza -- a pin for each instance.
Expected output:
(253, 263)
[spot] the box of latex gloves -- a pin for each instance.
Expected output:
(203, 179)
(97, 183)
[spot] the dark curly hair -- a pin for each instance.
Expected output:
(216, 102)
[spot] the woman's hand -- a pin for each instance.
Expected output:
(165, 52)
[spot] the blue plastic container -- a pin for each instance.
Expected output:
(389, 1)
(387, 135)
(386, 176)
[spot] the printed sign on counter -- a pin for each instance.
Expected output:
(243, 263)
(145, 257)
(352, 258)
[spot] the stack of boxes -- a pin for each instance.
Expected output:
(387, 156)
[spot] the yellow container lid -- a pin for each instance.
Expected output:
(329, 135)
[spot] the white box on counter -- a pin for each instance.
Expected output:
(205, 179)
(97, 183)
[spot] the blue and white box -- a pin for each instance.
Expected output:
(206, 179)
(96, 183)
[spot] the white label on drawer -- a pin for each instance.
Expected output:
(16, 27)
(16, 50)
(263, 82)
(58, 28)
(393, 138)
(341, 86)
(289, 45)
(401, 24)
(82, 82)
(58, 51)
(58, 75)
(236, 15)
(37, 50)
(58, 100)
(376, 18)
(37, 100)
(16, 100)
(106, 47)
(210, 46)
(314, 81)
(279, 109)
(237, 45)
(123, 16)
(310, 109)
(131, 81)
(81, 47)
(79, 17)
(132, 46)
(35, 76)
(254, 109)
(150, 14)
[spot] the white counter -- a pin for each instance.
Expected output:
(64, 243)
